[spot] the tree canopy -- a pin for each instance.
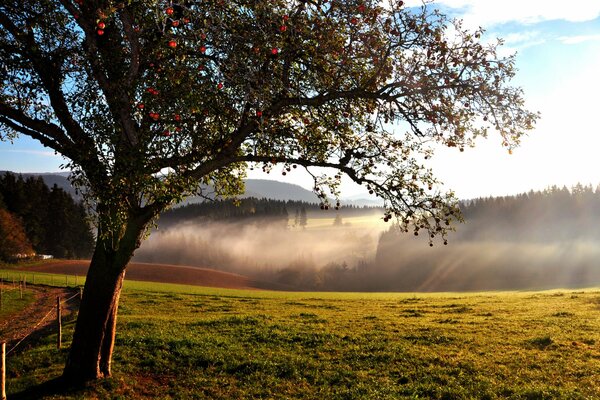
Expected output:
(13, 241)
(148, 98)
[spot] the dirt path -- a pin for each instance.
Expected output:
(38, 317)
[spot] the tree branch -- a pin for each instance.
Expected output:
(50, 75)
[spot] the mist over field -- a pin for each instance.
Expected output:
(534, 241)
(266, 248)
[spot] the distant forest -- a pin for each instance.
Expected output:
(290, 212)
(50, 221)
(555, 214)
(539, 239)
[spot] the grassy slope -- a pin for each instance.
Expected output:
(12, 303)
(189, 342)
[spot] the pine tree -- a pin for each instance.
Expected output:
(303, 218)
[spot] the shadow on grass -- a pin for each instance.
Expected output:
(56, 386)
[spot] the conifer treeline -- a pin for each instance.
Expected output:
(293, 211)
(553, 214)
(53, 222)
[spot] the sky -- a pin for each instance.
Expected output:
(558, 60)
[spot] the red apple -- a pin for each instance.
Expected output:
(283, 28)
(274, 51)
(220, 85)
(100, 32)
(172, 44)
(259, 113)
(101, 25)
(169, 10)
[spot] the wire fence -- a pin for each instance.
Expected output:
(51, 310)
(6, 279)
(40, 278)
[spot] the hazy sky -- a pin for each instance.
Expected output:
(558, 57)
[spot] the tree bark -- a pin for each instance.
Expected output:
(94, 336)
(93, 339)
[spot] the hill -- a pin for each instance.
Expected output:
(258, 188)
(59, 179)
(161, 273)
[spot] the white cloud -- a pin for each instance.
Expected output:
(521, 37)
(516, 41)
(579, 39)
(488, 13)
(32, 152)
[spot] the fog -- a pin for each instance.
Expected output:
(508, 245)
(266, 249)
(484, 265)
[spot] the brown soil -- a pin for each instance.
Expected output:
(39, 316)
(165, 273)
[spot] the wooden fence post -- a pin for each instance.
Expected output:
(58, 323)
(3, 372)
(21, 290)
(80, 293)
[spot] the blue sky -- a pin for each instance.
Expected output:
(558, 57)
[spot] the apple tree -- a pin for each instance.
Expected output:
(149, 99)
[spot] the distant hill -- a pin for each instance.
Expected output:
(59, 179)
(279, 190)
(258, 188)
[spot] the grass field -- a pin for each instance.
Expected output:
(12, 302)
(189, 342)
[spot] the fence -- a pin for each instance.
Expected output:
(40, 278)
(22, 285)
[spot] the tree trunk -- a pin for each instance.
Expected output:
(94, 337)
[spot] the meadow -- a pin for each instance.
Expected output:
(185, 342)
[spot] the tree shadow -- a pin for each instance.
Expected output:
(56, 386)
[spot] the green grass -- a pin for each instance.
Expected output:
(41, 278)
(12, 302)
(185, 342)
